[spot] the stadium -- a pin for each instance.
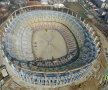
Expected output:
(49, 46)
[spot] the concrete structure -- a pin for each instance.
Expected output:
(82, 47)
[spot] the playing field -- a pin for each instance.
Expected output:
(48, 44)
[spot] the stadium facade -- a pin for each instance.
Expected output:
(18, 50)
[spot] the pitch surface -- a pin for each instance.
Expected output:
(48, 44)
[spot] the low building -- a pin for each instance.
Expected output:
(44, 2)
(30, 3)
(58, 5)
(105, 4)
(3, 74)
(61, 1)
(4, 3)
(101, 12)
(101, 3)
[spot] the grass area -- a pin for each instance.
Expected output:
(82, 14)
(13, 8)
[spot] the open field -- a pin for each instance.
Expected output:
(48, 44)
